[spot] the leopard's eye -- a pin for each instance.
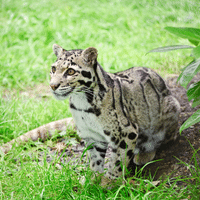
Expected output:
(70, 71)
(53, 69)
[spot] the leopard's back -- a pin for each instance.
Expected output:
(152, 106)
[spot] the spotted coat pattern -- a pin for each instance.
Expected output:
(132, 111)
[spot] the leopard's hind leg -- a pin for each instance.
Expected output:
(166, 130)
(143, 158)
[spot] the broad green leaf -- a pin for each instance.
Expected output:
(189, 72)
(195, 118)
(193, 91)
(170, 48)
(196, 102)
(194, 42)
(196, 52)
(188, 33)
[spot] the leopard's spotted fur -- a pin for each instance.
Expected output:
(133, 111)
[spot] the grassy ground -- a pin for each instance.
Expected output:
(122, 31)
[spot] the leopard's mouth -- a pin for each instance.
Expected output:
(62, 94)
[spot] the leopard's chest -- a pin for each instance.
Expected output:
(87, 119)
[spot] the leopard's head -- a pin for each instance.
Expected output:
(73, 71)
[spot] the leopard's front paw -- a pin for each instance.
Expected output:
(108, 183)
(111, 183)
(105, 181)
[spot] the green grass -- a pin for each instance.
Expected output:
(22, 114)
(123, 32)
(21, 178)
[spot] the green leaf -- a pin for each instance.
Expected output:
(170, 48)
(189, 72)
(193, 91)
(196, 102)
(192, 34)
(196, 52)
(195, 118)
(194, 42)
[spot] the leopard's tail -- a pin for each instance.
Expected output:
(42, 132)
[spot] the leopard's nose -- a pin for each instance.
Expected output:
(54, 86)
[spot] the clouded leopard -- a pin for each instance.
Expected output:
(132, 111)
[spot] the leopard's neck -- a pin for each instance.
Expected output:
(79, 101)
(93, 97)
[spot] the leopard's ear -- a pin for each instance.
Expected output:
(90, 55)
(58, 50)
